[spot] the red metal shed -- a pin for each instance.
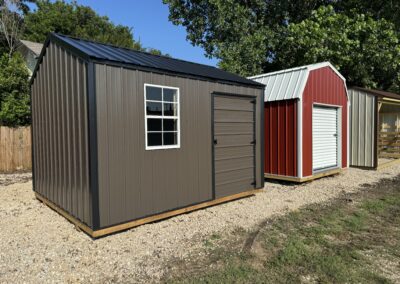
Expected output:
(306, 122)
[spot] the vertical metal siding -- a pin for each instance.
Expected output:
(362, 128)
(60, 135)
(324, 86)
(280, 130)
(133, 182)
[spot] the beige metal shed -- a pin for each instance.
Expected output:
(374, 128)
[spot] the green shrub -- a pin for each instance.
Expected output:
(14, 91)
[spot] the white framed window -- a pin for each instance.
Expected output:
(162, 123)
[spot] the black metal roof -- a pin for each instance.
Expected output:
(110, 54)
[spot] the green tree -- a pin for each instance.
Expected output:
(366, 51)
(75, 20)
(242, 34)
(388, 9)
(14, 91)
(255, 36)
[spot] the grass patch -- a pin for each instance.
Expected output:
(318, 244)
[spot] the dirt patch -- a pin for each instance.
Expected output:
(39, 246)
(7, 179)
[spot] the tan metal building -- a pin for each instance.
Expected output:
(374, 127)
(122, 137)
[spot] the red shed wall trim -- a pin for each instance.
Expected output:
(281, 137)
(324, 86)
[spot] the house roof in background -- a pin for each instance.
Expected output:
(289, 83)
(378, 93)
(113, 55)
(35, 47)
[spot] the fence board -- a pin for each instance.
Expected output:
(15, 149)
(389, 144)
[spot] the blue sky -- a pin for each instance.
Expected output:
(149, 20)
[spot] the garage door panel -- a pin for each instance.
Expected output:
(234, 139)
(228, 164)
(229, 127)
(325, 137)
(233, 116)
(235, 186)
(234, 155)
(240, 174)
(223, 152)
(233, 104)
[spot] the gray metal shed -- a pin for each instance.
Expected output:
(122, 137)
(374, 128)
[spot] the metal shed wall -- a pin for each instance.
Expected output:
(281, 137)
(133, 182)
(60, 132)
(324, 86)
(363, 114)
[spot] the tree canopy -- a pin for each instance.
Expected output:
(75, 20)
(256, 36)
(366, 51)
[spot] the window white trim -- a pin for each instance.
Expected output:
(177, 117)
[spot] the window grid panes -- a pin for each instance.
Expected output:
(162, 117)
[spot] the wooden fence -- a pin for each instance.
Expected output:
(389, 144)
(15, 149)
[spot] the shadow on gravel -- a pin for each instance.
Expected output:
(8, 179)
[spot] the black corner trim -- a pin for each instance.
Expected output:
(32, 141)
(212, 148)
(262, 137)
(93, 154)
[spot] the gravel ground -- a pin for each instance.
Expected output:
(39, 246)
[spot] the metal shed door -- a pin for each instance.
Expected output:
(234, 144)
(325, 137)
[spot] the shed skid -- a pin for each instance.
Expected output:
(134, 223)
(305, 179)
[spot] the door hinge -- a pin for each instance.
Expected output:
(253, 142)
(253, 183)
(253, 101)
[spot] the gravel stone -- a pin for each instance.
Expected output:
(37, 245)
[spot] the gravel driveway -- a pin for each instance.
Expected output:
(39, 246)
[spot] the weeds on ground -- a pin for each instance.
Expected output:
(319, 244)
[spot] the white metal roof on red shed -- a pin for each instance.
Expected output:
(289, 83)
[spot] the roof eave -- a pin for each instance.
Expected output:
(377, 93)
(174, 73)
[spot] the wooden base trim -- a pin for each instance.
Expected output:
(135, 223)
(388, 164)
(304, 179)
(65, 214)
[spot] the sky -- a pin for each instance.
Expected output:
(149, 20)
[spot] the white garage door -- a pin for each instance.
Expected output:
(325, 138)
